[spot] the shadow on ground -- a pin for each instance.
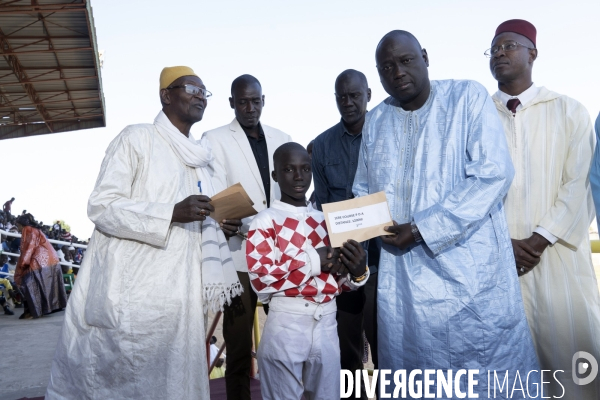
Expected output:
(27, 359)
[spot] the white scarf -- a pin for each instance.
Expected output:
(219, 277)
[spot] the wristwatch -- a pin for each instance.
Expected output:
(415, 232)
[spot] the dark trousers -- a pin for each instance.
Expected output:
(238, 319)
(357, 311)
(350, 330)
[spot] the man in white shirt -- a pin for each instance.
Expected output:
(124, 337)
(549, 209)
(243, 152)
(214, 350)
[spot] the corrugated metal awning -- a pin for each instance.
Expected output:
(49, 68)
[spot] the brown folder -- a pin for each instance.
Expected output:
(232, 203)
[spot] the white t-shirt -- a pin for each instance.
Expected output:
(214, 350)
(61, 255)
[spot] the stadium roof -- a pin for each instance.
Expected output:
(49, 68)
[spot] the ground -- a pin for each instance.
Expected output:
(29, 348)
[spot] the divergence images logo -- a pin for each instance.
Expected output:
(584, 363)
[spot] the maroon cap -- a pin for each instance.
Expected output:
(519, 26)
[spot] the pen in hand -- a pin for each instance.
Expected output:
(200, 190)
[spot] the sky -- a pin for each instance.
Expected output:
(296, 50)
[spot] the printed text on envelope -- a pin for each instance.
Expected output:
(359, 218)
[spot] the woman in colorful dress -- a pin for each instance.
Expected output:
(38, 274)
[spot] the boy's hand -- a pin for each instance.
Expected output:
(354, 257)
(330, 260)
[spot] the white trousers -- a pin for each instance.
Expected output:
(299, 353)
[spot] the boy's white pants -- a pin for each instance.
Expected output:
(299, 353)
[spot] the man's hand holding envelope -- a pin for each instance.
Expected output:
(401, 235)
(231, 206)
(360, 219)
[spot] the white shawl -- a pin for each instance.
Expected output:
(219, 278)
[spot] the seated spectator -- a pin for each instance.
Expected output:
(78, 256)
(214, 349)
(4, 270)
(72, 253)
(65, 236)
(15, 242)
(5, 244)
(219, 369)
(6, 288)
(12, 264)
(59, 252)
(65, 255)
(9, 267)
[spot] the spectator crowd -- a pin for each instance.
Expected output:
(10, 296)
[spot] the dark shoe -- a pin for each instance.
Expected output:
(7, 311)
(25, 316)
(18, 305)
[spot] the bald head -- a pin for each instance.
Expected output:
(242, 82)
(352, 94)
(291, 170)
(352, 74)
(402, 66)
(247, 101)
(404, 36)
(283, 152)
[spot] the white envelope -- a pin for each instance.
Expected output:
(359, 219)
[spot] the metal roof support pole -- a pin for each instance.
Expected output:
(60, 71)
(21, 75)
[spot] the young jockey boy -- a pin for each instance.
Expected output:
(293, 268)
